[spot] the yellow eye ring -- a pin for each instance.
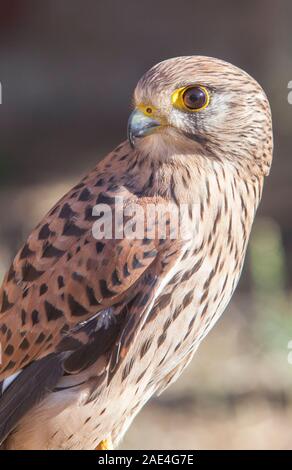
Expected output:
(192, 98)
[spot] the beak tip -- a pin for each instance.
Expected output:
(130, 135)
(140, 125)
(131, 141)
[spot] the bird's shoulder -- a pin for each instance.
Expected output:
(63, 275)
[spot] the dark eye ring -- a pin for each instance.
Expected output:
(195, 98)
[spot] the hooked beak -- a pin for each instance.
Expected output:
(140, 125)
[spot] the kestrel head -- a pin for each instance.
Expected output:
(201, 105)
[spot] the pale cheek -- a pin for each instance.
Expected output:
(182, 121)
(219, 114)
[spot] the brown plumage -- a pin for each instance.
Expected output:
(91, 329)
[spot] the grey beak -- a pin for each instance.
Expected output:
(140, 125)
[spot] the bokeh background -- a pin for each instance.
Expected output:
(68, 69)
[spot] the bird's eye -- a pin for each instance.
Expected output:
(192, 98)
(195, 97)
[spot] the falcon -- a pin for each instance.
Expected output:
(92, 327)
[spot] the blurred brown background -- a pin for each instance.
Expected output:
(68, 69)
